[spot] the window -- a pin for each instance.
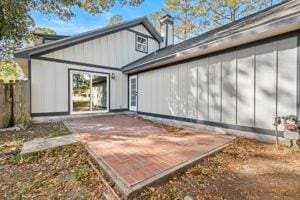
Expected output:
(141, 44)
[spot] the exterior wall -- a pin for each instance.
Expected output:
(49, 86)
(113, 50)
(141, 29)
(240, 87)
(49, 78)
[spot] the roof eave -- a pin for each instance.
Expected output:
(278, 27)
(69, 41)
(21, 54)
(152, 30)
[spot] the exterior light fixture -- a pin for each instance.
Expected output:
(113, 75)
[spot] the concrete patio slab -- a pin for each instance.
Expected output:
(136, 153)
(40, 144)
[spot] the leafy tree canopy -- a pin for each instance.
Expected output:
(220, 12)
(183, 12)
(9, 70)
(115, 19)
(16, 23)
(193, 17)
(43, 30)
(32, 37)
(154, 18)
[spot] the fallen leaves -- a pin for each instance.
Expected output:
(221, 176)
(60, 173)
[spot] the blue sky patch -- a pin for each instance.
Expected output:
(83, 21)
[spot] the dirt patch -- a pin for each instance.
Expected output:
(34, 131)
(11, 141)
(60, 173)
(244, 170)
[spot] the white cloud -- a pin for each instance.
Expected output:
(106, 15)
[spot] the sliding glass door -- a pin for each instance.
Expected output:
(89, 92)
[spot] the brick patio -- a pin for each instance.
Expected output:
(136, 149)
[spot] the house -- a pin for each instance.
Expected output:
(239, 76)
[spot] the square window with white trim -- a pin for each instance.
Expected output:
(141, 43)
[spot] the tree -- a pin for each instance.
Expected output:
(193, 17)
(9, 70)
(220, 12)
(32, 38)
(187, 23)
(43, 30)
(115, 19)
(154, 19)
(16, 23)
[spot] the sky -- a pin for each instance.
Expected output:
(83, 21)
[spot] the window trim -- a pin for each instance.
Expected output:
(136, 41)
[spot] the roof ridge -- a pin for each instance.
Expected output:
(87, 35)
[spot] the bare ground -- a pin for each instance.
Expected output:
(246, 169)
(11, 141)
(60, 173)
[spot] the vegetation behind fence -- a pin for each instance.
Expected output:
(14, 103)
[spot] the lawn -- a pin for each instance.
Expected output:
(246, 169)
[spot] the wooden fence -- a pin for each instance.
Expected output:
(14, 103)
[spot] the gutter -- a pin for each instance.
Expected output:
(288, 24)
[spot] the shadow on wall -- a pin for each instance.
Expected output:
(237, 88)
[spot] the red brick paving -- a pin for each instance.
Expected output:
(136, 149)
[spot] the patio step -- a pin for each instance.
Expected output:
(40, 144)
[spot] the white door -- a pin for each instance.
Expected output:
(89, 92)
(133, 93)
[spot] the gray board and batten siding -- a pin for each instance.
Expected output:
(106, 54)
(242, 88)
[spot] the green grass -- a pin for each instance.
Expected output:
(80, 174)
(15, 160)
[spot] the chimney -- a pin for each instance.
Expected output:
(167, 30)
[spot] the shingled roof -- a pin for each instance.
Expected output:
(271, 14)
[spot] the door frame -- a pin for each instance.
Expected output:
(131, 108)
(80, 71)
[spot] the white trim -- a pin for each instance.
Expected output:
(71, 92)
(141, 44)
(133, 108)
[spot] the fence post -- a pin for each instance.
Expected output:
(2, 98)
(22, 115)
(16, 102)
(4, 104)
(26, 100)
